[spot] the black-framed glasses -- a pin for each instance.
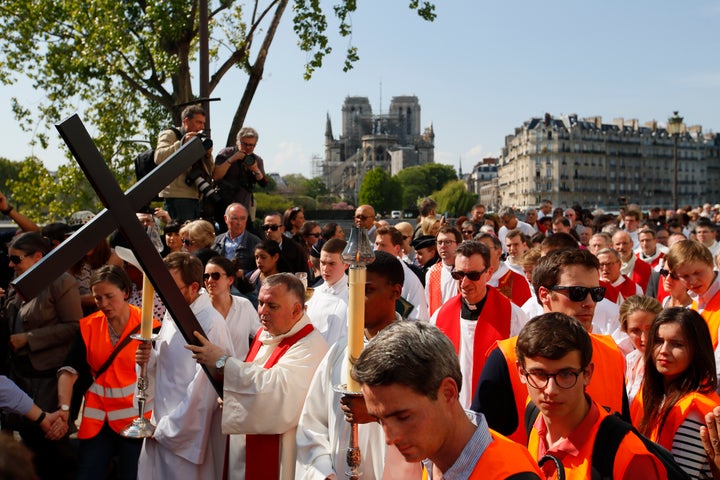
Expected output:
(187, 242)
(578, 294)
(565, 378)
(16, 259)
(214, 275)
(270, 227)
(473, 276)
(316, 235)
(362, 217)
(468, 232)
(668, 273)
(445, 242)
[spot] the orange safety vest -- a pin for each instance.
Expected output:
(694, 402)
(111, 395)
(711, 314)
(493, 324)
(502, 459)
(607, 384)
(579, 467)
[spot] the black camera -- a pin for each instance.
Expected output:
(249, 159)
(195, 177)
(206, 141)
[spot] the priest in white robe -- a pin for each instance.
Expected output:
(188, 442)
(264, 395)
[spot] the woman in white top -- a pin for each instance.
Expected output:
(678, 295)
(240, 315)
(637, 313)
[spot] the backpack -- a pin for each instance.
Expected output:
(611, 433)
(145, 161)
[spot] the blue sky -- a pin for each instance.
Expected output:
(480, 70)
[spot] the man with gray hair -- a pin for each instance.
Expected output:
(411, 381)
(510, 222)
(237, 170)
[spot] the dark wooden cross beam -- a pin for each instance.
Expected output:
(119, 213)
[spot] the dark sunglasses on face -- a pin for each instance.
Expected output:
(578, 294)
(468, 232)
(16, 259)
(214, 275)
(666, 273)
(270, 227)
(316, 235)
(473, 276)
(187, 242)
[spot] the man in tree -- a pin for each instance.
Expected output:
(181, 195)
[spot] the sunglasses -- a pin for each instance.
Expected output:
(187, 242)
(270, 227)
(214, 275)
(16, 259)
(472, 276)
(668, 273)
(468, 232)
(362, 217)
(316, 235)
(578, 294)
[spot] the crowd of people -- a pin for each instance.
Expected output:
(500, 344)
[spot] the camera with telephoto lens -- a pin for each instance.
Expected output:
(249, 159)
(206, 140)
(195, 177)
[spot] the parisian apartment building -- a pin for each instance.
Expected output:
(571, 160)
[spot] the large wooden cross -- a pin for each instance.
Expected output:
(119, 213)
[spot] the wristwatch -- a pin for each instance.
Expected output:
(65, 408)
(220, 364)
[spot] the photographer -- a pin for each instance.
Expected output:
(237, 170)
(182, 196)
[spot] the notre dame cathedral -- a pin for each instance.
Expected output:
(392, 141)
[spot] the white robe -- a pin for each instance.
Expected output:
(323, 434)
(328, 310)
(414, 292)
(269, 401)
(243, 322)
(188, 442)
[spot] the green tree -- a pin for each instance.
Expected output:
(380, 190)
(454, 198)
(294, 182)
(420, 181)
(34, 192)
(130, 61)
(314, 187)
(9, 172)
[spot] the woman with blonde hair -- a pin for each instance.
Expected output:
(198, 237)
(637, 313)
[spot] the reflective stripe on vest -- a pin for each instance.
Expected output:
(112, 392)
(97, 414)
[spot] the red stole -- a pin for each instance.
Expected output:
(514, 287)
(641, 274)
(627, 288)
(611, 293)
(262, 452)
(434, 288)
(493, 324)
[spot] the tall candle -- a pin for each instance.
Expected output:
(356, 320)
(148, 302)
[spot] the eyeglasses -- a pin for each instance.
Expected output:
(607, 264)
(270, 227)
(468, 232)
(472, 276)
(578, 294)
(16, 259)
(566, 378)
(362, 217)
(214, 275)
(445, 242)
(187, 242)
(245, 144)
(668, 273)
(316, 235)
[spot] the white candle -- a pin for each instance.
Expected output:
(148, 302)
(356, 321)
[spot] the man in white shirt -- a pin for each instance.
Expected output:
(328, 306)
(263, 396)
(515, 246)
(390, 240)
(323, 433)
(188, 437)
(439, 284)
(705, 231)
(510, 222)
